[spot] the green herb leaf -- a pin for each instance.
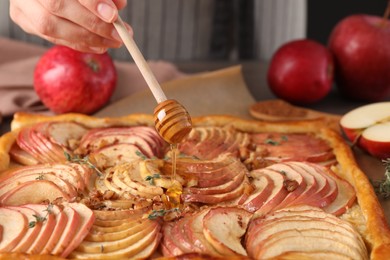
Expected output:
(151, 178)
(161, 213)
(140, 154)
(271, 141)
(40, 219)
(382, 188)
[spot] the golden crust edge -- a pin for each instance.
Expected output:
(378, 232)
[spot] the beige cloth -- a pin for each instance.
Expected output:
(17, 63)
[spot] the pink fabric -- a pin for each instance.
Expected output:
(17, 63)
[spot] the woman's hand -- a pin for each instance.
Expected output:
(84, 25)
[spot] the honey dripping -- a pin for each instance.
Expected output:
(173, 193)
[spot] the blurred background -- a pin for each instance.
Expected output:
(228, 30)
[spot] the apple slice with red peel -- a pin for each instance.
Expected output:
(14, 225)
(49, 176)
(32, 231)
(21, 156)
(115, 154)
(263, 189)
(327, 187)
(224, 227)
(48, 224)
(86, 221)
(140, 246)
(172, 246)
(62, 132)
(35, 191)
(196, 235)
(277, 195)
(368, 126)
(65, 233)
(51, 230)
(345, 199)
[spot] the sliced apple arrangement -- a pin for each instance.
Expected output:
(120, 235)
(303, 232)
(39, 183)
(44, 228)
(369, 127)
(230, 179)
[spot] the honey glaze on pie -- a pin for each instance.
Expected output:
(172, 196)
(218, 178)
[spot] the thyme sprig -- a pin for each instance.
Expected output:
(382, 188)
(271, 141)
(83, 161)
(41, 219)
(151, 178)
(141, 155)
(161, 213)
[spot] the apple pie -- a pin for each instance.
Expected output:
(81, 187)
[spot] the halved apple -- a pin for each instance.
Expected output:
(369, 127)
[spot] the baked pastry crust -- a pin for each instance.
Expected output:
(368, 215)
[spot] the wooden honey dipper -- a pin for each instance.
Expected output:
(172, 121)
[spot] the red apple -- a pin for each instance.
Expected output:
(360, 44)
(369, 127)
(301, 72)
(70, 81)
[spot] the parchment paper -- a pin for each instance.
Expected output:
(219, 92)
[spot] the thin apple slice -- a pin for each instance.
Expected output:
(51, 230)
(14, 225)
(45, 146)
(224, 227)
(108, 215)
(263, 189)
(95, 238)
(63, 185)
(179, 234)
(283, 147)
(115, 154)
(278, 194)
(345, 199)
(33, 192)
(32, 231)
(172, 247)
(144, 137)
(294, 182)
(26, 143)
(21, 156)
(127, 252)
(86, 221)
(217, 198)
(304, 241)
(128, 177)
(51, 220)
(226, 187)
(63, 132)
(323, 200)
(64, 232)
(196, 235)
(302, 223)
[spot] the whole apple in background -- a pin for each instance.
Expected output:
(369, 127)
(301, 72)
(361, 48)
(71, 81)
